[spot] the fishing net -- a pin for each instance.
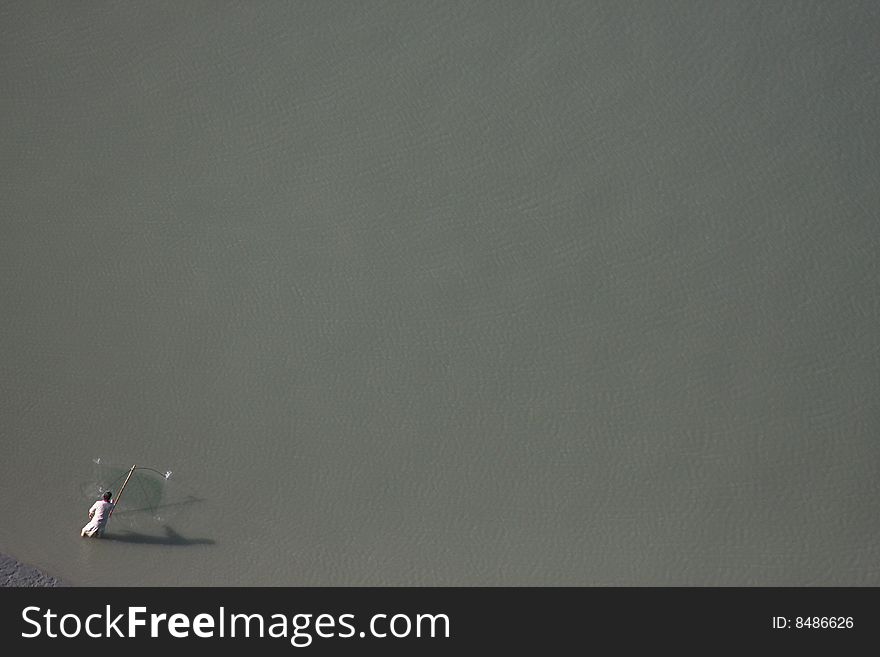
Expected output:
(150, 498)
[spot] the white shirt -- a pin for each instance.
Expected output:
(100, 511)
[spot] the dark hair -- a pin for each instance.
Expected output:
(108, 495)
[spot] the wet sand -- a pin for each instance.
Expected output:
(15, 573)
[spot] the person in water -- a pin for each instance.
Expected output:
(99, 514)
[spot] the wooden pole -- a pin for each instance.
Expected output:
(124, 483)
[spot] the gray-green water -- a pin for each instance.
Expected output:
(443, 293)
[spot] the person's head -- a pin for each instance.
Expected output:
(107, 496)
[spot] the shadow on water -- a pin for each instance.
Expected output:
(171, 538)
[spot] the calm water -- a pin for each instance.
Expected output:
(412, 293)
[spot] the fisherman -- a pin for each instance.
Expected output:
(99, 514)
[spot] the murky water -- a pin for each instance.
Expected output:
(443, 293)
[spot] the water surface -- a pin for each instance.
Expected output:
(443, 293)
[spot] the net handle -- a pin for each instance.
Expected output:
(121, 490)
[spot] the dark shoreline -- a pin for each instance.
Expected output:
(15, 573)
